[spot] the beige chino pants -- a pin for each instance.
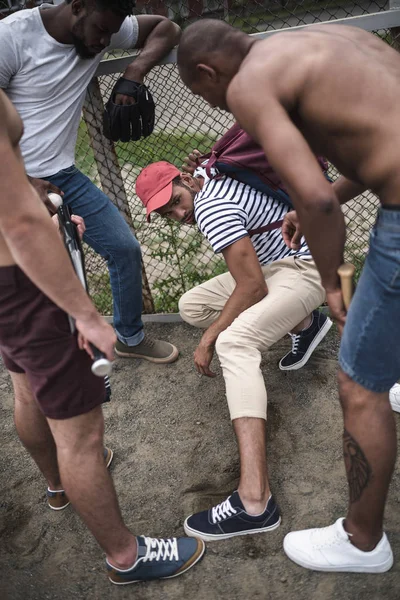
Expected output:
(294, 291)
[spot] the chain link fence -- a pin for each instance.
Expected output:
(176, 258)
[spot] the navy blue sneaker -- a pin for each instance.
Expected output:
(230, 519)
(159, 559)
(305, 342)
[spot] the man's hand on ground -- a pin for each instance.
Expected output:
(191, 162)
(336, 308)
(97, 331)
(291, 231)
(203, 357)
(43, 188)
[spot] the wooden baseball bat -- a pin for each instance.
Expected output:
(346, 273)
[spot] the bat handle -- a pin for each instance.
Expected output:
(101, 365)
(346, 273)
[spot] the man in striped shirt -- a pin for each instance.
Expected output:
(269, 291)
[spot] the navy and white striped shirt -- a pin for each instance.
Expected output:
(226, 209)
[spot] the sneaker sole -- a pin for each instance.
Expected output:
(58, 507)
(160, 361)
(110, 457)
(379, 568)
(195, 559)
(209, 537)
(318, 338)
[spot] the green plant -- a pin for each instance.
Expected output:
(183, 256)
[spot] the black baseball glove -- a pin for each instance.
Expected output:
(129, 122)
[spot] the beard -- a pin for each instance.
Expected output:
(77, 39)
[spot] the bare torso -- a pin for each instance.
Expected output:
(341, 88)
(10, 133)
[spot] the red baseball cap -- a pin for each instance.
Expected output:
(154, 185)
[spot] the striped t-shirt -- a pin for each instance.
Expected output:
(226, 209)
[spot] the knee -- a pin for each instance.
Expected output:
(130, 248)
(354, 397)
(124, 247)
(190, 310)
(86, 436)
(224, 343)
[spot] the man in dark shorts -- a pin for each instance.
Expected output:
(318, 91)
(58, 400)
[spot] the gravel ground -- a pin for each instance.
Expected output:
(175, 453)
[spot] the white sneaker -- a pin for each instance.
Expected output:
(329, 549)
(394, 397)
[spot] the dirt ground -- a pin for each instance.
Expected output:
(175, 453)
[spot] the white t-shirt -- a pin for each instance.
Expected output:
(47, 81)
(226, 210)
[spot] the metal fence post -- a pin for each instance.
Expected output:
(109, 169)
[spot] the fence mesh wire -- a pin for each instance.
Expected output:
(177, 257)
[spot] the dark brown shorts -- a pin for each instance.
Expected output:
(36, 339)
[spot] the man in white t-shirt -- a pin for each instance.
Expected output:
(269, 291)
(48, 56)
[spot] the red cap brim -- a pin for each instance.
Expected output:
(158, 200)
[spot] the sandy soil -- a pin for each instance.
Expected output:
(175, 453)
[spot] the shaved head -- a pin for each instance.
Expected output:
(209, 56)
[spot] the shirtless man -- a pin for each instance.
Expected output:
(319, 91)
(58, 400)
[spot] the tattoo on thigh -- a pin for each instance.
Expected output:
(357, 467)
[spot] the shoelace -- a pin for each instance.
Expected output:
(161, 549)
(295, 341)
(222, 511)
(328, 536)
(148, 341)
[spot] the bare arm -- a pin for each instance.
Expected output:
(250, 288)
(157, 36)
(35, 245)
(266, 120)
(346, 190)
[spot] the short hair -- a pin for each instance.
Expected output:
(203, 39)
(124, 8)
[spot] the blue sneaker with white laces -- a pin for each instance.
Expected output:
(305, 342)
(159, 559)
(230, 519)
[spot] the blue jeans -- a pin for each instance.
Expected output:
(109, 235)
(369, 352)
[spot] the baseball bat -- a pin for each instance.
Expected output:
(101, 365)
(346, 273)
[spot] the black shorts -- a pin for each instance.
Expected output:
(36, 339)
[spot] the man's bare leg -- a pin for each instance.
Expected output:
(253, 488)
(369, 444)
(34, 432)
(89, 486)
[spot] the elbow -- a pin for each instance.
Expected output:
(177, 32)
(169, 31)
(257, 291)
(324, 205)
(262, 291)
